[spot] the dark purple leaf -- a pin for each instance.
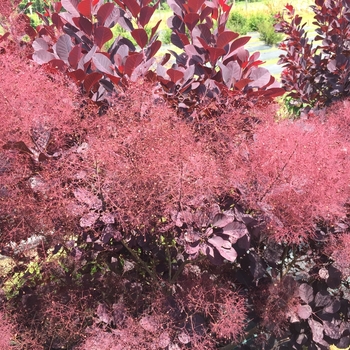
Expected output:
(317, 331)
(334, 278)
(221, 220)
(322, 298)
(153, 49)
(306, 293)
(333, 307)
(20, 145)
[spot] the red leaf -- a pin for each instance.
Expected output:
(215, 53)
(77, 75)
(85, 25)
(240, 42)
(241, 84)
(91, 79)
(57, 20)
(103, 12)
(224, 6)
(102, 35)
(206, 12)
(191, 19)
(84, 8)
(195, 5)
(145, 15)
(132, 62)
(140, 37)
(74, 56)
(154, 29)
(57, 6)
(153, 49)
(183, 38)
(175, 75)
(225, 38)
(133, 6)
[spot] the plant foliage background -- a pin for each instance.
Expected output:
(162, 202)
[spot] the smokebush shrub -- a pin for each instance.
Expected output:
(316, 71)
(136, 226)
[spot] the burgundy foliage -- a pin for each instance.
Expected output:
(213, 60)
(153, 231)
(316, 72)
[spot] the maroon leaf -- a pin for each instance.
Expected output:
(132, 62)
(57, 20)
(191, 19)
(103, 12)
(146, 13)
(77, 75)
(74, 56)
(85, 25)
(133, 6)
(154, 48)
(140, 37)
(175, 75)
(195, 5)
(215, 53)
(241, 84)
(154, 29)
(225, 37)
(102, 35)
(238, 43)
(91, 79)
(84, 7)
